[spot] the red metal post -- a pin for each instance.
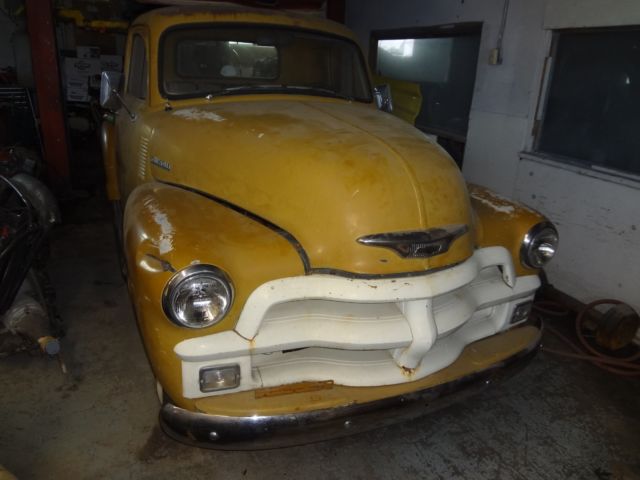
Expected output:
(44, 56)
(335, 10)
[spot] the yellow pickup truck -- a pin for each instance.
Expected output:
(302, 264)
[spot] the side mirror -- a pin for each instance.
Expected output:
(109, 96)
(382, 94)
(109, 85)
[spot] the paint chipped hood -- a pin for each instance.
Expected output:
(328, 172)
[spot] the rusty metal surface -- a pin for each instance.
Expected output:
(618, 327)
(46, 72)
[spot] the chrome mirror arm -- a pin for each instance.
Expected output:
(132, 115)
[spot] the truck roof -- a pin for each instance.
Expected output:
(159, 19)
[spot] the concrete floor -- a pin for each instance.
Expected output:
(557, 419)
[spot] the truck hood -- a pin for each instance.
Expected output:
(328, 172)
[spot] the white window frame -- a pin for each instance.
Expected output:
(537, 106)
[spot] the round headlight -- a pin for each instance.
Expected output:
(198, 296)
(539, 245)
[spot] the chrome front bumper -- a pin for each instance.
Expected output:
(264, 432)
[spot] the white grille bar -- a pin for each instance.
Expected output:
(361, 332)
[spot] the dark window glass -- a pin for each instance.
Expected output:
(445, 69)
(592, 115)
(137, 82)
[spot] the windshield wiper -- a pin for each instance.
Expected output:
(242, 88)
(324, 92)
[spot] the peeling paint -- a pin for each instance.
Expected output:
(198, 114)
(498, 207)
(500, 203)
(164, 243)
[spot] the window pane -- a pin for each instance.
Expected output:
(137, 82)
(593, 105)
(226, 59)
(445, 69)
(202, 60)
(416, 60)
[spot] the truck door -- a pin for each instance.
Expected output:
(130, 127)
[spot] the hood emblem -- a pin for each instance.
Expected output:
(418, 243)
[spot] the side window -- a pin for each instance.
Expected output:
(137, 81)
(432, 74)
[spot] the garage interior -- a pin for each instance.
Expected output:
(537, 100)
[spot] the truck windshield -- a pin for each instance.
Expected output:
(230, 60)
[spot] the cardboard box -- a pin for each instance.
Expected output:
(77, 88)
(78, 95)
(81, 66)
(111, 63)
(76, 81)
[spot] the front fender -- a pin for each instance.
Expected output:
(502, 222)
(168, 228)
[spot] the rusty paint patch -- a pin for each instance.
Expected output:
(301, 387)
(408, 372)
(163, 265)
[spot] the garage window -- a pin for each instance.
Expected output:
(591, 114)
(441, 61)
(137, 82)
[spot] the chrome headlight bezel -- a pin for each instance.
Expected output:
(188, 274)
(532, 241)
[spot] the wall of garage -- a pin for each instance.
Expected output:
(598, 215)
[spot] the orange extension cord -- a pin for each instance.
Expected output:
(626, 366)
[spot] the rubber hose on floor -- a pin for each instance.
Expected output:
(626, 366)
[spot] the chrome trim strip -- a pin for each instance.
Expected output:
(188, 272)
(528, 238)
(264, 432)
(376, 276)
